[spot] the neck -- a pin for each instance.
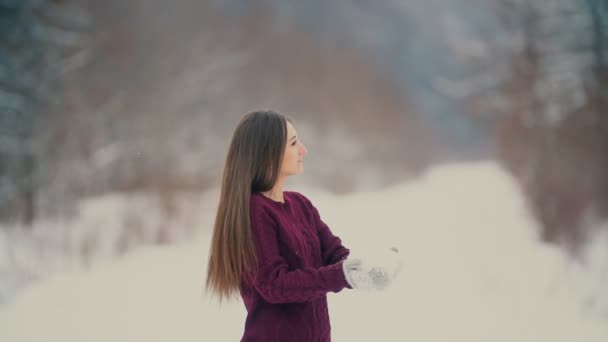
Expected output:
(276, 193)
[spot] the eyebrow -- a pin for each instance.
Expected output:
(290, 139)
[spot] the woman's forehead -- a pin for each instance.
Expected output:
(291, 131)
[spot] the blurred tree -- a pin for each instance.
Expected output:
(553, 129)
(39, 42)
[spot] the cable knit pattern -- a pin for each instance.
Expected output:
(299, 262)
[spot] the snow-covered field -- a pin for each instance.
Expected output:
(474, 271)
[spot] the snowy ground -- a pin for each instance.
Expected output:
(474, 271)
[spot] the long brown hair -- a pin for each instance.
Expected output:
(252, 165)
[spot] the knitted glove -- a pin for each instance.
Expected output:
(374, 273)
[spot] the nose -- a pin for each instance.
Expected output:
(303, 150)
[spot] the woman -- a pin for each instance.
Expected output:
(271, 246)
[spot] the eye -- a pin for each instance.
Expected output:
(293, 143)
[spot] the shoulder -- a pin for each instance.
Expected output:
(294, 196)
(259, 205)
(303, 203)
(262, 216)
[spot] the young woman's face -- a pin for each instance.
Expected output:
(295, 151)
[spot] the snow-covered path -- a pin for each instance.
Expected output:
(474, 272)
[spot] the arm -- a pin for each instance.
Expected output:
(275, 282)
(331, 245)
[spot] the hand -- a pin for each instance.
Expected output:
(375, 273)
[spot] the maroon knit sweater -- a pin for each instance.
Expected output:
(299, 262)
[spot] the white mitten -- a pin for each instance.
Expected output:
(373, 274)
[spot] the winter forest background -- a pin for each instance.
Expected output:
(479, 129)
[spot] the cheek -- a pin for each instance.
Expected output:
(287, 160)
(291, 157)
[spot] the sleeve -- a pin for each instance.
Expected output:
(275, 282)
(332, 249)
(331, 246)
